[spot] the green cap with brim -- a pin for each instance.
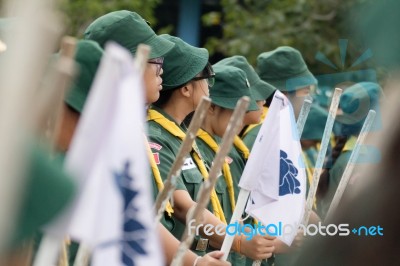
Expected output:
(182, 63)
(128, 29)
(231, 84)
(260, 89)
(315, 124)
(47, 191)
(88, 55)
(285, 69)
(356, 101)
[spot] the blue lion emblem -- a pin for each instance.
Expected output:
(134, 235)
(288, 184)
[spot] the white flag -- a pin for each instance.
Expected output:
(275, 174)
(113, 214)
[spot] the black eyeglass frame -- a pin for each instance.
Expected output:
(209, 76)
(159, 61)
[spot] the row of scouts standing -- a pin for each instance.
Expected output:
(176, 77)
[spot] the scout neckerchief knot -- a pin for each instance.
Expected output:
(135, 233)
(226, 169)
(176, 131)
(157, 176)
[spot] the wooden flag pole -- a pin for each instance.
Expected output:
(203, 197)
(170, 183)
(321, 155)
(350, 165)
(301, 121)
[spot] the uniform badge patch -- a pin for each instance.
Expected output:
(155, 146)
(156, 156)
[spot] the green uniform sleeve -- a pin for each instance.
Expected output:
(164, 157)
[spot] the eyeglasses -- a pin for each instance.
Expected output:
(207, 74)
(159, 61)
(209, 79)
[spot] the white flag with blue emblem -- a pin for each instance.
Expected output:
(275, 173)
(113, 214)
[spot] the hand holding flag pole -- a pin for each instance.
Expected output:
(350, 165)
(266, 143)
(170, 183)
(203, 197)
(321, 155)
(301, 121)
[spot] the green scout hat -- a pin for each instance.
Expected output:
(285, 69)
(231, 84)
(315, 124)
(48, 191)
(356, 101)
(182, 63)
(260, 89)
(88, 55)
(129, 30)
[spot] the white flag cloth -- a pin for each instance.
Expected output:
(113, 213)
(275, 174)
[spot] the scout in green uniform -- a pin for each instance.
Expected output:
(166, 115)
(129, 30)
(354, 105)
(285, 69)
(259, 89)
(230, 85)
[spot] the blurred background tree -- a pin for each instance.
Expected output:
(250, 27)
(80, 13)
(245, 27)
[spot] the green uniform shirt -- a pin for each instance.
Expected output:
(236, 164)
(165, 148)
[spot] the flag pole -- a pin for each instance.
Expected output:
(203, 199)
(170, 183)
(301, 121)
(351, 164)
(321, 155)
(305, 110)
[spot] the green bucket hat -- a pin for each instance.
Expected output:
(231, 84)
(182, 63)
(285, 69)
(356, 101)
(88, 55)
(47, 191)
(128, 29)
(260, 89)
(315, 124)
